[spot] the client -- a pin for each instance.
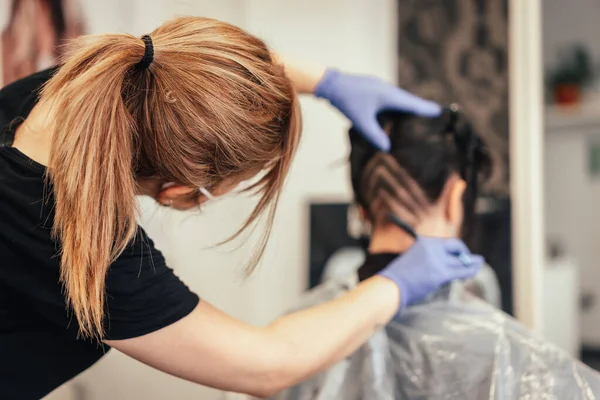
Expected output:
(453, 346)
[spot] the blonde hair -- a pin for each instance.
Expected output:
(212, 106)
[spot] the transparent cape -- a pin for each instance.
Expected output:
(454, 346)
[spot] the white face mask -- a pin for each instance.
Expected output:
(210, 198)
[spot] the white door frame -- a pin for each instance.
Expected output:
(526, 159)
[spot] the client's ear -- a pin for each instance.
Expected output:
(454, 209)
(363, 213)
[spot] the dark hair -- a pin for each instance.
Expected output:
(425, 152)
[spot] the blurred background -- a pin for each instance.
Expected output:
(445, 50)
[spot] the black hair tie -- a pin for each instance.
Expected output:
(148, 53)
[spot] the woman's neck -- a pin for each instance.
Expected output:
(34, 136)
(388, 238)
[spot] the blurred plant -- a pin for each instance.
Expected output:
(574, 68)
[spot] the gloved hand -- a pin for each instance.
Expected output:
(362, 98)
(429, 264)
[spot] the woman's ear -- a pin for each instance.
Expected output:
(454, 209)
(169, 194)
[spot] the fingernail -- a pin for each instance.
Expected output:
(384, 146)
(465, 259)
(432, 110)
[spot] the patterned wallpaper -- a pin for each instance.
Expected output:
(456, 51)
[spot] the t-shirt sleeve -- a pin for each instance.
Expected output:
(143, 294)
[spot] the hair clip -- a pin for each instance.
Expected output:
(402, 225)
(450, 115)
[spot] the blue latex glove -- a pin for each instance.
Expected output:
(429, 264)
(362, 98)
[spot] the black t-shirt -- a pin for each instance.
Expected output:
(375, 262)
(39, 345)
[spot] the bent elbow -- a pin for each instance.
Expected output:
(274, 373)
(265, 392)
(270, 382)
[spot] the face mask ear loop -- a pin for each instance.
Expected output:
(206, 193)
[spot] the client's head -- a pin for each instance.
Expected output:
(428, 179)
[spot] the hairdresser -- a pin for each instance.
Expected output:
(182, 115)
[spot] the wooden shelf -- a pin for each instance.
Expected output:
(566, 118)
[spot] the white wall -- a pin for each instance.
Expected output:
(571, 195)
(566, 22)
(351, 34)
(572, 212)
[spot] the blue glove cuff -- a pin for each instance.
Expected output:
(404, 293)
(323, 89)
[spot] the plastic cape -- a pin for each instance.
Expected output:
(453, 346)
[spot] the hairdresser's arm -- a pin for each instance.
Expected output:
(305, 80)
(213, 349)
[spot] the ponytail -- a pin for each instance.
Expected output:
(208, 106)
(91, 170)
